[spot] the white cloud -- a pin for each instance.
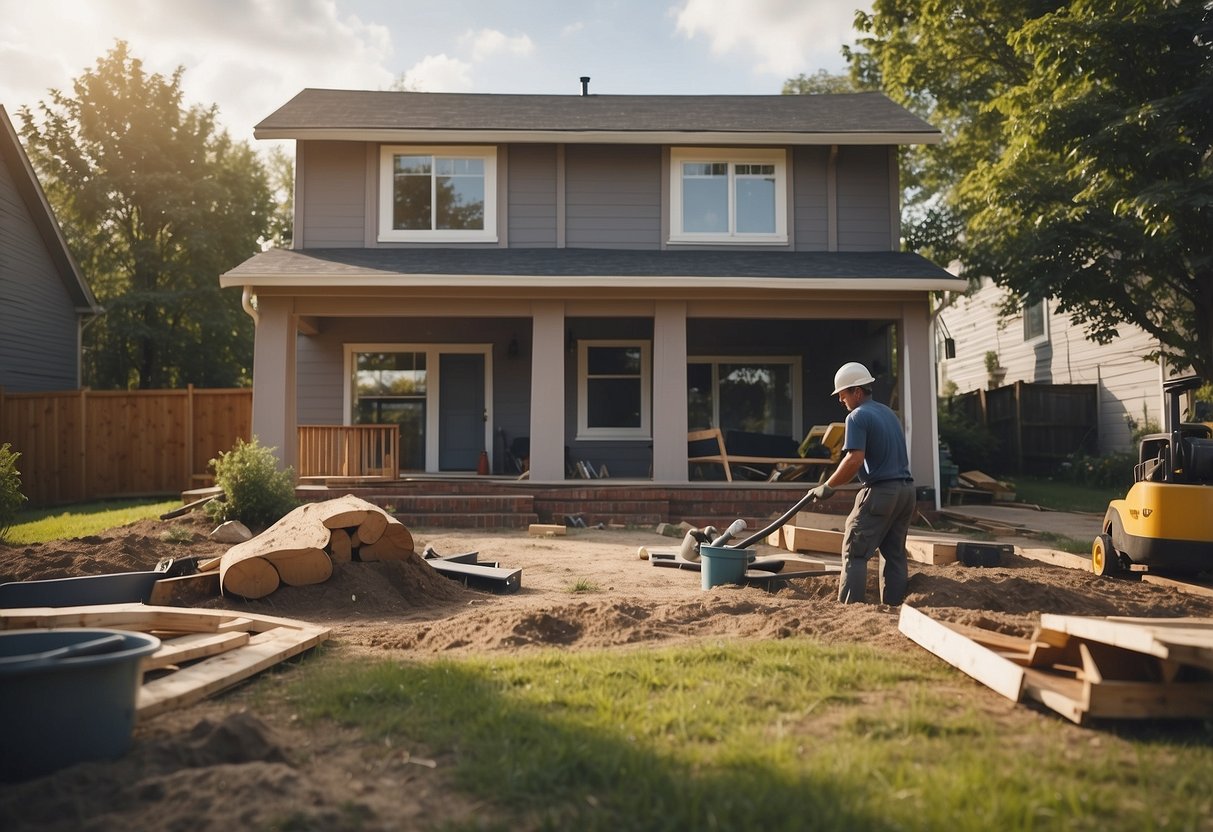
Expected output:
(786, 37)
(439, 73)
(487, 43)
(572, 28)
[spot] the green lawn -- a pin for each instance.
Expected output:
(81, 519)
(775, 735)
(1062, 496)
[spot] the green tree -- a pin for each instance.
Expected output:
(820, 81)
(156, 202)
(1077, 162)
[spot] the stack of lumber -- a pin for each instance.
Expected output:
(300, 549)
(799, 536)
(999, 491)
(202, 652)
(1084, 667)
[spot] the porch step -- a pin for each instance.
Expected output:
(453, 510)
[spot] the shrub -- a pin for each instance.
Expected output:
(255, 492)
(973, 446)
(1107, 471)
(11, 497)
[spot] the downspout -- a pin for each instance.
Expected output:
(246, 303)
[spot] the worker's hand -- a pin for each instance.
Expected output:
(822, 491)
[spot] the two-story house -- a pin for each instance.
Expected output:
(598, 274)
(44, 298)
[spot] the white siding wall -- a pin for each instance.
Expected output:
(1128, 386)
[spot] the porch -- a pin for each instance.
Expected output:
(474, 501)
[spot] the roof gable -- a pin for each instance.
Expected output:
(852, 118)
(13, 156)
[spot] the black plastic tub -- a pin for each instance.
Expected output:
(67, 696)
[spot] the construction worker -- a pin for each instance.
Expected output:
(874, 450)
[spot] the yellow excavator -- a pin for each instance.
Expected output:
(1165, 522)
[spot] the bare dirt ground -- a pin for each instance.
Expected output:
(235, 762)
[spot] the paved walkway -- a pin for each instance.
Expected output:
(1075, 525)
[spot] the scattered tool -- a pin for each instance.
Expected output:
(695, 538)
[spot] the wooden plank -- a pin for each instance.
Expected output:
(184, 590)
(995, 672)
(546, 530)
(927, 550)
(114, 616)
(193, 646)
(802, 539)
(217, 673)
(1191, 587)
(1185, 640)
(1057, 558)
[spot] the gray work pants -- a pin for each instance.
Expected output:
(880, 520)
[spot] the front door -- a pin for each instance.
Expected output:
(461, 411)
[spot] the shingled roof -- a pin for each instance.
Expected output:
(811, 119)
(614, 268)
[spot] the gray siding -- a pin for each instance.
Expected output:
(864, 220)
(613, 196)
(810, 203)
(38, 323)
(333, 181)
(531, 192)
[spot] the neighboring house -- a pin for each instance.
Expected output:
(599, 274)
(1042, 346)
(44, 299)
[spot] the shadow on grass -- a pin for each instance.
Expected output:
(545, 765)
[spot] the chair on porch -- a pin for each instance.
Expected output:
(709, 445)
(822, 442)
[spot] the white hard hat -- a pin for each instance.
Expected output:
(851, 374)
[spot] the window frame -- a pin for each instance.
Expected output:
(388, 234)
(645, 430)
(794, 362)
(732, 156)
(1043, 335)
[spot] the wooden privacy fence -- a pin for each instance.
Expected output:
(89, 444)
(1038, 426)
(363, 451)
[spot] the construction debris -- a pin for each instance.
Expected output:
(546, 530)
(1084, 668)
(300, 548)
(202, 652)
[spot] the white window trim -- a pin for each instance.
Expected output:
(387, 234)
(1044, 324)
(794, 361)
(733, 156)
(433, 365)
(584, 431)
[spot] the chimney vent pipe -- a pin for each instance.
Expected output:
(585, 85)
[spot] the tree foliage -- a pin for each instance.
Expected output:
(156, 202)
(821, 81)
(1078, 159)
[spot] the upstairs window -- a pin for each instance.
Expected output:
(728, 196)
(438, 194)
(1034, 321)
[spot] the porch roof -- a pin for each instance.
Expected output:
(881, 271)
(367, 115)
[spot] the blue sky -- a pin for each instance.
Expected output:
(250, 56)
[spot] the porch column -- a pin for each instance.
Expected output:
(274, 423)
(670, 391)
(918, 394)
(547, 391)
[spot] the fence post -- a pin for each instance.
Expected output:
(189, 437)
(83, 416)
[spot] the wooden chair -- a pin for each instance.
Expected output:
(714, 439)
(829, 436)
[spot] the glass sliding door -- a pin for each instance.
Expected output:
(761, 395)
(391, 387)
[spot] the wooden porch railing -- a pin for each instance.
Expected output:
(364, 451)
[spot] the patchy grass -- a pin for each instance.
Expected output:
(81, 519)
(780, 735)
(584, 585)
(1063, 496)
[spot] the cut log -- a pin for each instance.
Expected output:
(252, 577)
(343, 512)
(396, 543)
(372, 526)
(301, 534)
(340, 547)
(302, 567)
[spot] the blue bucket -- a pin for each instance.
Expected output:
(69, 695)
(719, 565)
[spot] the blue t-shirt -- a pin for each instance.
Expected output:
(875, 429)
